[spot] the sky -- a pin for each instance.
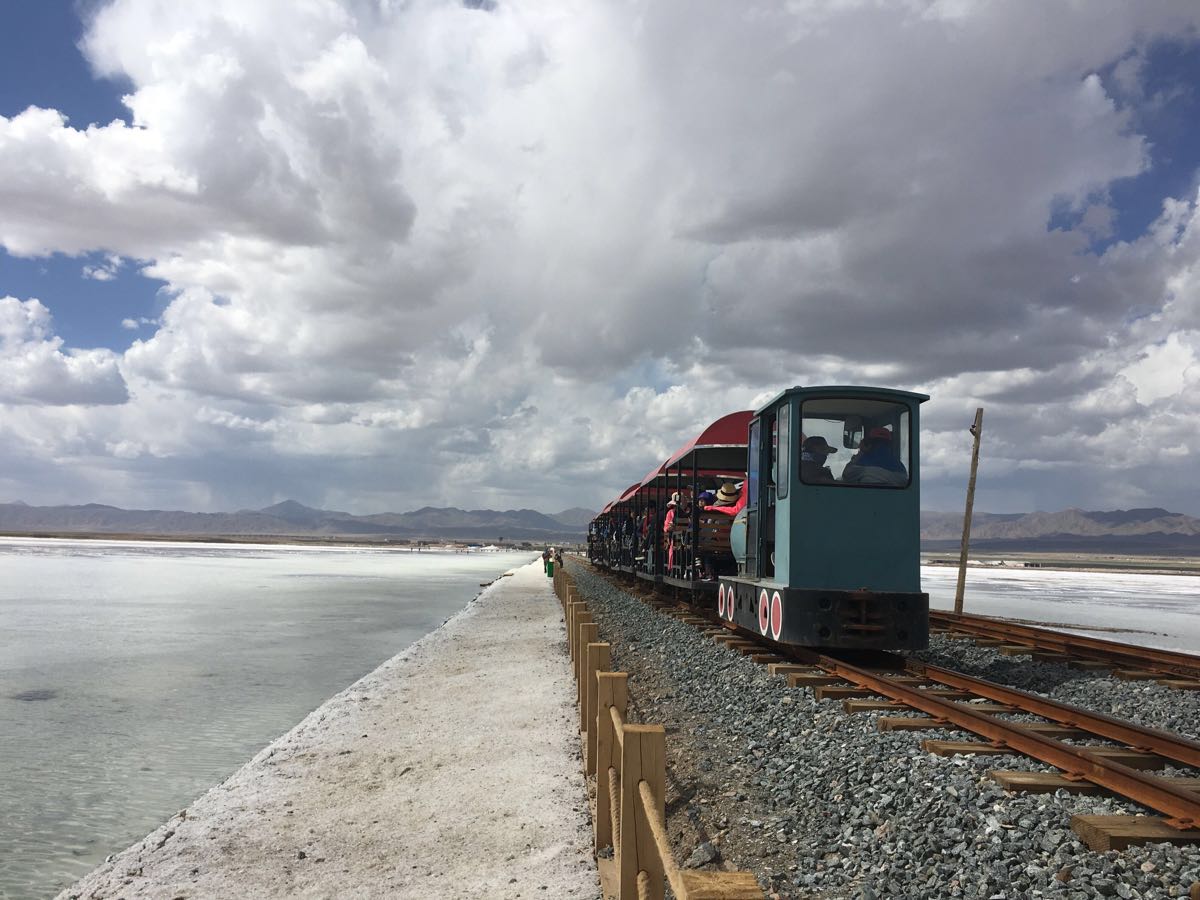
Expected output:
(380, 254)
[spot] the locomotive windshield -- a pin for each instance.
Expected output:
(855, 442)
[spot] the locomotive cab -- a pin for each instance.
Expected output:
(829, 539)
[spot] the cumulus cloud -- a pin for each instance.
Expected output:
(514, 254)
(36, 369)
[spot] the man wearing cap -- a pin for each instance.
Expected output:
(813, 453)
(876, 461)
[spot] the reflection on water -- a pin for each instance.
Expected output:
(1150, 610)
(134, 676)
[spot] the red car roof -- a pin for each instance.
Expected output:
(727, 431)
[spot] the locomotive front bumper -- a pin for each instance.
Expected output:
(877, 620)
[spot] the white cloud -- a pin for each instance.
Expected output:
(35, 368)
(105, 271)
(416, 252)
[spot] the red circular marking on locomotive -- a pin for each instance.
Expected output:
(776, 615)
(764, 612)
(721, 601)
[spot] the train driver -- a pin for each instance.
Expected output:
(876, 461)
(813, 453)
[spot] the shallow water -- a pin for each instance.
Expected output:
(134, 676)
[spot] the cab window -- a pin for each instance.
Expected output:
(855, 442)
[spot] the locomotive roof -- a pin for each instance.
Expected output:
(843, 390)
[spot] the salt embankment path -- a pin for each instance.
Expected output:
(452, 771)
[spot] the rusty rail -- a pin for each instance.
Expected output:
(1164, 743)
(1180, 806)
(1169, 662)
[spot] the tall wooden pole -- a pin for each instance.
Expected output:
(976, 430)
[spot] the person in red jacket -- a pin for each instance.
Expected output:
(729, 501)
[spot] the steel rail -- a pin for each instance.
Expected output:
(1180, 806)
(1171, 662)
(1163, 743)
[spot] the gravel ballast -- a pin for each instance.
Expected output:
(819, 804)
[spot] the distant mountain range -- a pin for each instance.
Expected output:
(1124, 531)
(292, 518)
(1153, 531)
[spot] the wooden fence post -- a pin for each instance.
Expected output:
(582, 617)
(612, 691)
(587, 635)
(643, 758)
(572, 612)
(599, 658)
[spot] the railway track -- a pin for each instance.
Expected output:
(1168, 667)
(1064, 738)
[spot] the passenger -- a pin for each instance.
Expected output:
(669, 521)
(876, 462)
(813, 453)
(729, 501)
(546, 561)
(668, 529)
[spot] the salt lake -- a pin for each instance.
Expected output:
(136, 675)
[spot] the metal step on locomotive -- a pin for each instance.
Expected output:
(799, 520)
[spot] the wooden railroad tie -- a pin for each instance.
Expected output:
(833, 692)
(917, 723)
(792, 668)
(1134, 759)
(1048, 782)
(954, 748)
(859, 706)
(1090, 665)
(910, 680)
(1015, 649)
(765, 659)
(1136, 675)
(804, 679)
(1103, 833)
(1049, 656)
(909, 723)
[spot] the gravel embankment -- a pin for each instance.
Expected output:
(819, 804)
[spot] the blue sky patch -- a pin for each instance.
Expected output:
(88, 296)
